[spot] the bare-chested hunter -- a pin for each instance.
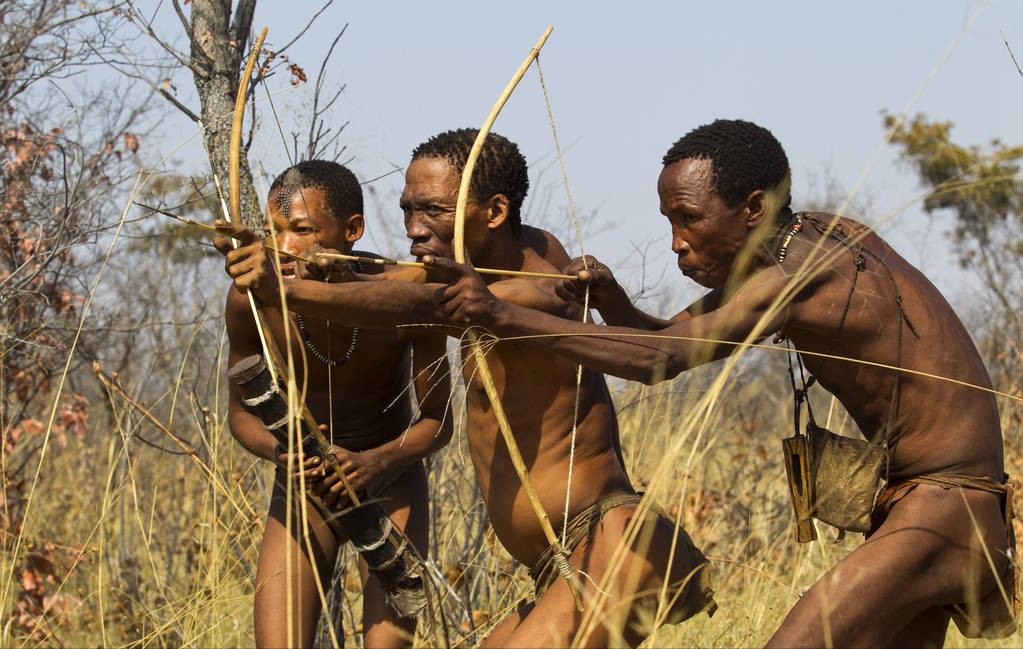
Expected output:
(938, 542)
(538, 391)
(356, 384)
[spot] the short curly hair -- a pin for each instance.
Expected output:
(500, 168)
(745, 157)
(344, 194)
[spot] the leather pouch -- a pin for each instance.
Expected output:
(845, 474)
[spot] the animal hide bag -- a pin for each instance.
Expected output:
(832, 478)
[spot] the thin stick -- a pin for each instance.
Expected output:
(383, 261)
(419, 264)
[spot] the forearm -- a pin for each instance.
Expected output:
(377, 304)
(419, 441)
(253, 436)
(621, 312)
(619, 351)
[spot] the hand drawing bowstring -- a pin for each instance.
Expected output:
(557, 545)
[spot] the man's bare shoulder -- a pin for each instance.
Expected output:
(546, 245)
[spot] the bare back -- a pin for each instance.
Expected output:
(937, 425)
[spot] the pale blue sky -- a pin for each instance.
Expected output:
(627, 79)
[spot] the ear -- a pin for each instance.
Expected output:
(354, 227)
(756, 208)
(497, 209)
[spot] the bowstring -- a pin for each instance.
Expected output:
(586, 300)
(330, 394)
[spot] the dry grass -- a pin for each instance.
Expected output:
(127, 545)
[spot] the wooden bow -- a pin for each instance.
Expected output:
(275, 361)
(560, 555)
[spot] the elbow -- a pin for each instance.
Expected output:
(443, 430)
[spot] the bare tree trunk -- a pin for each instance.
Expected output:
(218, 51)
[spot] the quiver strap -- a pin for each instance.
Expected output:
(386, 551)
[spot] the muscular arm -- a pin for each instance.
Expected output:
(698, 335)
(392, 303)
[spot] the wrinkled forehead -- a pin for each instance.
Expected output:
(688, 180)
(431, 177)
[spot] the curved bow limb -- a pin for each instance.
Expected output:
(274, 358)
(561, 556)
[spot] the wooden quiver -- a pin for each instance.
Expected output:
(389, 556)
(832, 478)
(385, 549)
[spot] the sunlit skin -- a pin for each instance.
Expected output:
(538, 391)
(368, 415)
(706, 234)
(927, 553)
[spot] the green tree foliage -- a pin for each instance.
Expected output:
(983, 188)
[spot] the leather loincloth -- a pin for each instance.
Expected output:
(700, 595)
(990, 617)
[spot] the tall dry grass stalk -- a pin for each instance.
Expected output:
(145, 532)
(139, 541)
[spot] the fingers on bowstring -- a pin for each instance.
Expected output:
(223, 245)
(450, 269)
(569, 291)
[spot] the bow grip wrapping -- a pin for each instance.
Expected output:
(386, 551)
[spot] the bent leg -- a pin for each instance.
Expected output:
(928, 553)
(406, 502)
(631, 599)
(926, 630)
(287, 602)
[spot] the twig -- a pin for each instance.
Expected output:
(1011, 55)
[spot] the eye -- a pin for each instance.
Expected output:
(687, 217)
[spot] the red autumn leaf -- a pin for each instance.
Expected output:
(32, 426)
(131, 142)
(30, 580)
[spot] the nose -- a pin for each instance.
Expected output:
(414, 227)
(289, 242)
(678, 243)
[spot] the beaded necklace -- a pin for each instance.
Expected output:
(315, 351)
(784, 249)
